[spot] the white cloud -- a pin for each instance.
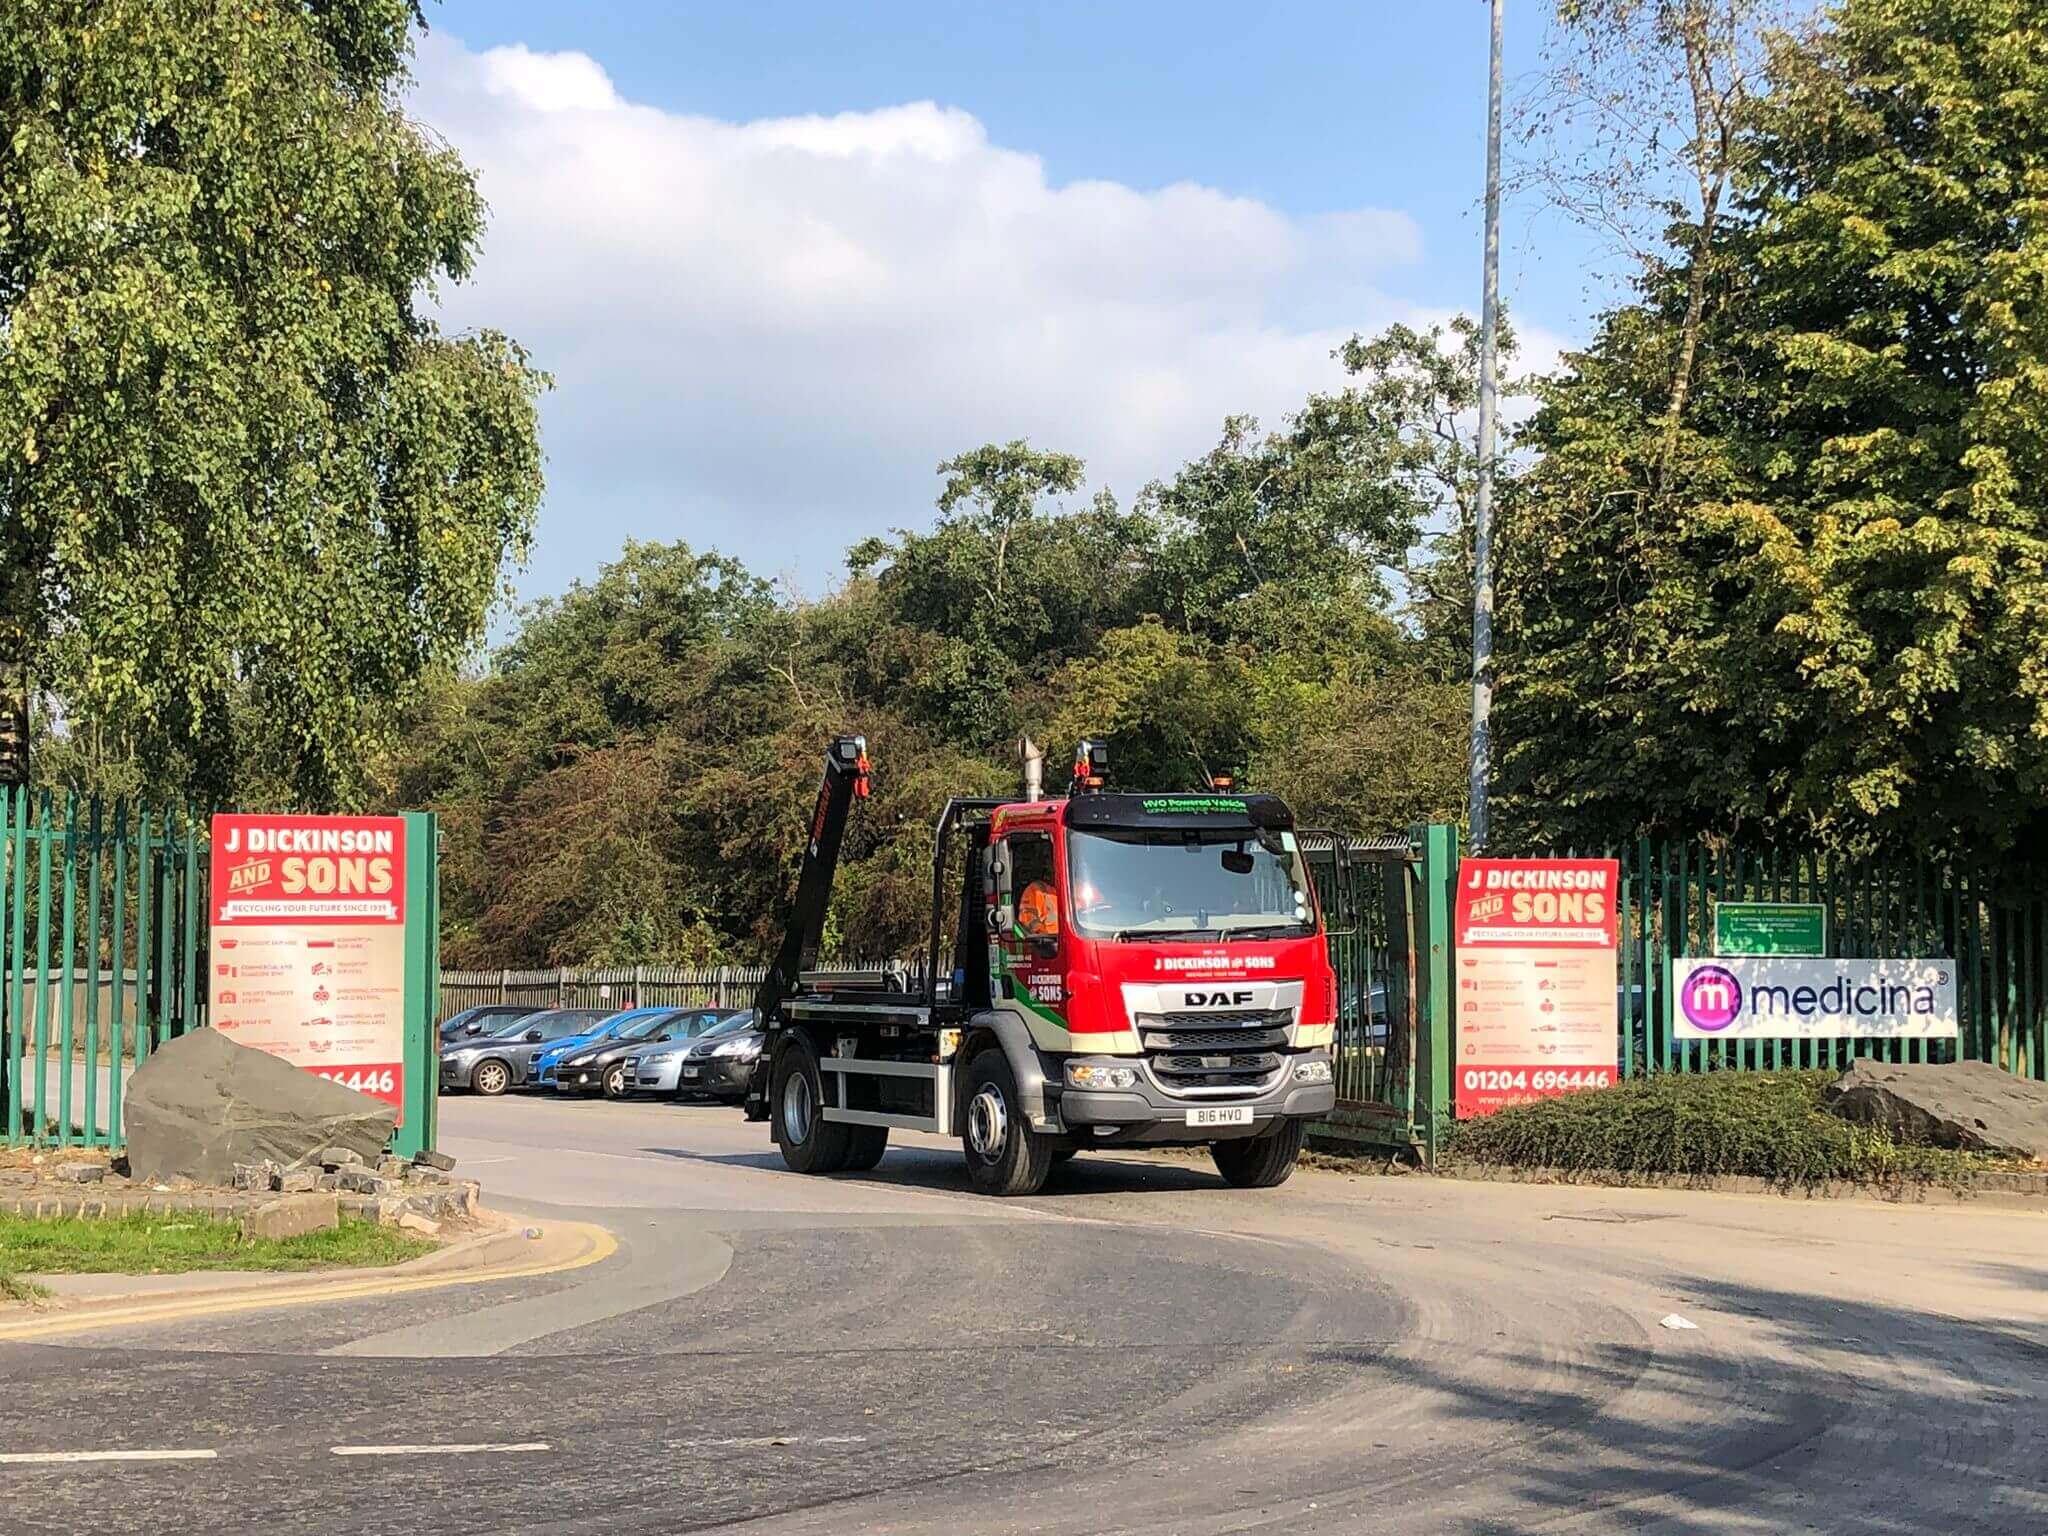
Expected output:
(766, 334)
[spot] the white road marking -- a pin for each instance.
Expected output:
(755, 1442)
(30, 1458)
(480, 1448)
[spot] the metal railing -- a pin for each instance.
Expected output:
(102, 931)
(616, 986)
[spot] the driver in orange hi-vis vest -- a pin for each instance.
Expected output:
(1038, 911)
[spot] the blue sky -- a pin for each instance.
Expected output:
(1131, 217)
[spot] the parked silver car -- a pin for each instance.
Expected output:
(718, 1062)
(606, 1065)
(493, 1063)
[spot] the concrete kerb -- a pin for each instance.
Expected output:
(503, 1253)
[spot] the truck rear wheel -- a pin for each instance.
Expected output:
(865, 1145)
(810, 1143)
(1004, 1155)
(1260, 1162)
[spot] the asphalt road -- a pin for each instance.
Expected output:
(1140, 1349)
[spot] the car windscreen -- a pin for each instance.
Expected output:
(642, 1029)
(1137, 885)
(709, 1023)
(554, 1025)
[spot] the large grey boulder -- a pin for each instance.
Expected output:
(201, 1104)
(1968, 1104)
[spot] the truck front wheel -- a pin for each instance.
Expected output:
(810, 1143)
(1260, 1162)
(1004, 1155)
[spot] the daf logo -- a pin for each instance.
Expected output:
(1240, 999)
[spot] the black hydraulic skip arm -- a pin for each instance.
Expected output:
(846, 779)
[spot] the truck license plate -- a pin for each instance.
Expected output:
(1221, 1114)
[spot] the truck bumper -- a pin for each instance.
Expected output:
(1146, 1113)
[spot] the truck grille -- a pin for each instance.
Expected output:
(1211, 1031)
(1215, 1054)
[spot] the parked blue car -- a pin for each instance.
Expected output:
(551, 1058)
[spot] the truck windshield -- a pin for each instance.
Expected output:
(1139, 885)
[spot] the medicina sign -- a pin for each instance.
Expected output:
(1752, 997)
(308, 953)
(1536, 942)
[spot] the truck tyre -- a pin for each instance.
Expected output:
(1004, 1155)
(865, 1145)
(809, 1142)
(1260, 1162)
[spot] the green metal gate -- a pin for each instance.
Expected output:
(101, 932)
(1385, 904)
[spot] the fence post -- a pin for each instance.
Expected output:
(422, 983)
(1433, 960)
(14, 942)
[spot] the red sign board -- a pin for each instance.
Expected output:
(308, 943)
(1536, 1004)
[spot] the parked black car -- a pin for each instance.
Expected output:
(485, 1019)
(493, 1063)
(601, 1066)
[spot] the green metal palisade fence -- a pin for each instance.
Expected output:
(101, 926)
(103, 931)
(1387, 906)
(1994, 930)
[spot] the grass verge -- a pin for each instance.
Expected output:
(1762, 1125)
(172, 1244)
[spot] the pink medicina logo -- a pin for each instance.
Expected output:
(1711, 998)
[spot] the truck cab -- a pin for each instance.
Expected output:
(1103, 969)
(1182, 986)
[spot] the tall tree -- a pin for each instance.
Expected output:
(1635, 125)
(1830, 619)
(249, 491)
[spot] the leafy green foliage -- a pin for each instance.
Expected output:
(630, 780)
(248, 492)
(1763, 1125)
(1819, 612)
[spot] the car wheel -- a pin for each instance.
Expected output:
(810, 1143)
(1261, 1162)
(615, 1081)
(1004, 1155)
(490, 1078)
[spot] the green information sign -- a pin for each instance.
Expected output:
(1770, 928)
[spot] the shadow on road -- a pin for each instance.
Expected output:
(1819, 1414)
(924, 1168)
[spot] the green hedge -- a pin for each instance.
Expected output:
(1766, 1125)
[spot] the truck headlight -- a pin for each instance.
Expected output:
(1316, 1071)
(1081, 1074)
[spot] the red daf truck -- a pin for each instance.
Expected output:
(1125, 969)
